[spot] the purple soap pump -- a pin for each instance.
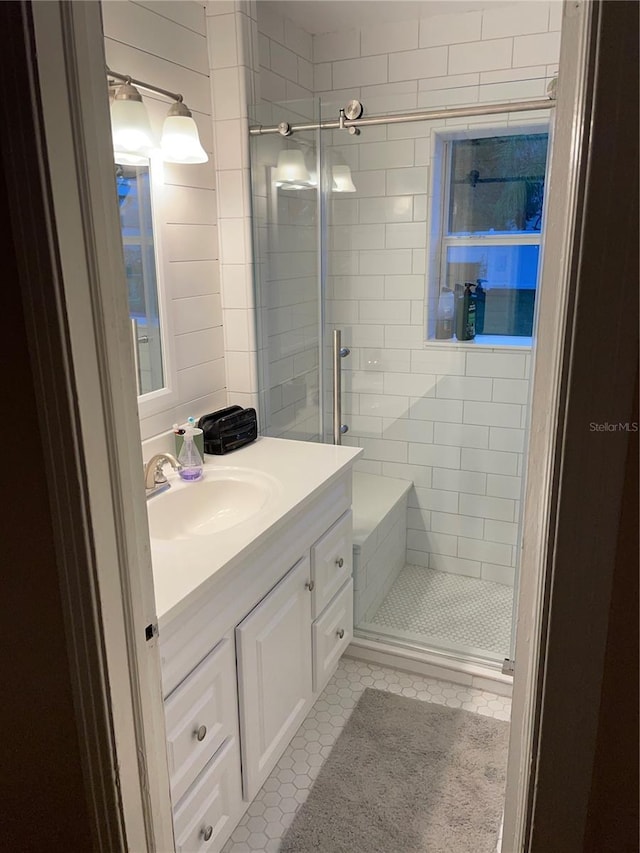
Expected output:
(189, 457)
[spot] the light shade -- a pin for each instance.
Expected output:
(130, 128)
(180, 141)
(342, 182)
(291, 172)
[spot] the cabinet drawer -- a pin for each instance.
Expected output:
(200, 715)
(332, 633)
(331, 562)
(205, 818)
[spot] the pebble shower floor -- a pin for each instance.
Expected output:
(272, 811)
(444, 609)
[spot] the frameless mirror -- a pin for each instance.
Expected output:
(136, 222)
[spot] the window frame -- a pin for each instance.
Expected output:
(441, 240)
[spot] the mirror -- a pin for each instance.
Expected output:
(136, 224)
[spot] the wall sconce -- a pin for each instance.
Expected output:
(132, 136)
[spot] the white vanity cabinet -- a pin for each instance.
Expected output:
(245, 658)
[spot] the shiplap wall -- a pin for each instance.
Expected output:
(165, 43)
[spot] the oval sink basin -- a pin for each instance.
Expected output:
(223, 498)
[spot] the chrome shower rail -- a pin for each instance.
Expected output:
(285, 129)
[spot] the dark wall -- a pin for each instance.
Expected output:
(587, 764)
(613, 816)
(42, 796)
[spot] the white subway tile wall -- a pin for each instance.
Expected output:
(232, 41)
(449, 418)
(166, 43)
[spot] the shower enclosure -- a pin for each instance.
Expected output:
(416, 237)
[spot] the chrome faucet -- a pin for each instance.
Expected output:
(154, 478)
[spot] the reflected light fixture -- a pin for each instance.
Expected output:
(342, 182)
(291, 172)
(133, 140)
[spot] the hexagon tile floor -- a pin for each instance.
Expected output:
(273, 809)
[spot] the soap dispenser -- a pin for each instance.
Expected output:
(191, 463)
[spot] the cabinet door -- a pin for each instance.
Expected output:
(331, 562)
(274, 674)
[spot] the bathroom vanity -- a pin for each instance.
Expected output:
(255, 604)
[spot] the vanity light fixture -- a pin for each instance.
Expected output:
(180, 142)
(132, 136)
(130, 127)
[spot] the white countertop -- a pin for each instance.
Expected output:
(296, 469)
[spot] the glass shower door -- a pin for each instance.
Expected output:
(288, 282)
(441, 422)
(350, 235)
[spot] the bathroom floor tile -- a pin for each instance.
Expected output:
(273, 810)
(447, 610)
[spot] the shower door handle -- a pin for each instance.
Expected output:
(136, 354)
(339, 352)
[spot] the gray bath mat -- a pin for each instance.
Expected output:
(406, 776)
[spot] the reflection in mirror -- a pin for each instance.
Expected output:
(134, 201)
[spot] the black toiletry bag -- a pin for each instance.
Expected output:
(228, 429)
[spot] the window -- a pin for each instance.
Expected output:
(492, 198)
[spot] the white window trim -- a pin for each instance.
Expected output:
(438, 241)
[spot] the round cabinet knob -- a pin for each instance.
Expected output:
(340, 633)
(207, 832)
(310, 585)
(339, 562)
(201, 732)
